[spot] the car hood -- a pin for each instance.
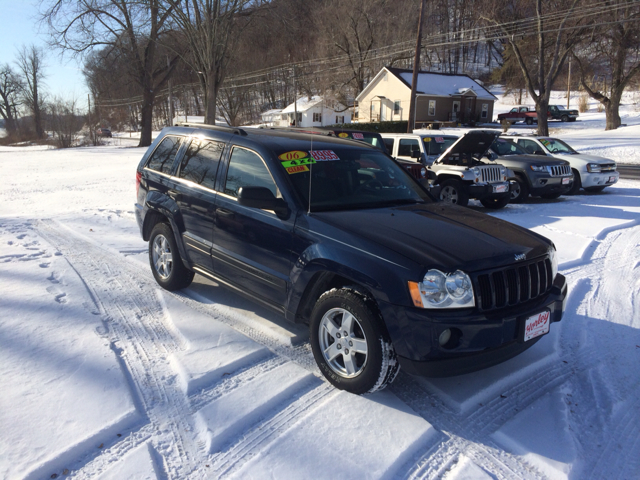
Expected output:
(584, 157)
(441, 236)
(473, 142)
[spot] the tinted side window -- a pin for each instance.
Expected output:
(200, 163)
(162, 158)
(246, 169)
(529, 145)
(388, 142)
(406, 146)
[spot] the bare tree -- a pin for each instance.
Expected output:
(130, 28)
(65, 121)
(555, 37)
(211, 29)
(31, 65)
(10, 87)
(613, 48)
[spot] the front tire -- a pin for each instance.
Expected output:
(350, 343)
(564, 118)
(529, 121)
(165, 261)
(453, 192)
(577, 183)
(495, 203)
(521, 190)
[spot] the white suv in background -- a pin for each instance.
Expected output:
(423, 147)
(590, 172)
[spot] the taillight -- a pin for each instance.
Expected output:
(138, 178)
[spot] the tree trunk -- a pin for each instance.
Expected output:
(147, 117)
(211, 99)
(612, 111)
(542, 107)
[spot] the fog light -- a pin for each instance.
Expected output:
(444, 337)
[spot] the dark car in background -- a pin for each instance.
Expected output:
(104, 132)
(534, 175)
(333, 233)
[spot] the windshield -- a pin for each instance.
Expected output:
(436, 146)
(556, 146)
(503, 147)
(347, 178)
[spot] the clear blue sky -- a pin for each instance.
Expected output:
(19, 27)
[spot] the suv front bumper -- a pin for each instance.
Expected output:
(546, 185)
(486, 338)
(487, 190)
(599, 179)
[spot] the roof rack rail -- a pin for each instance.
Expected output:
(235, 130)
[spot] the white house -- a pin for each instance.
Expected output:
(315, 111)
(272, 117)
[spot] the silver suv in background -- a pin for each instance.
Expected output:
(590, 172)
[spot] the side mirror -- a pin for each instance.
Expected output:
(416, 154)
(262, 198)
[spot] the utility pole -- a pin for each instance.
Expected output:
(569, 84)
(414, 78)
(170, 95)
(91, 133)
(295, 99)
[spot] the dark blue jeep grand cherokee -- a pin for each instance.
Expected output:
(334, 233)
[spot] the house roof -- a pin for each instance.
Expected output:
(304, 104)
(438, 84)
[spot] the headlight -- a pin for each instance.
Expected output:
(440, 290)
(538, 168)
(594, 168)
(476, 171)
(554, 262)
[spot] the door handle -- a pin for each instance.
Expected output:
(225, 213)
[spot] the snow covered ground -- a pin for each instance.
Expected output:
(104, 375)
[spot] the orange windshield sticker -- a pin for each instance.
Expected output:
(297, 169)
(293, 155)
(343, 135)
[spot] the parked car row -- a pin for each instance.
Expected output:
(333, 233)
(470, 168)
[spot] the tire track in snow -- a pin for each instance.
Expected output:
(125, 296)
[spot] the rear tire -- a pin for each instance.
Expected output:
(595, 189)
(453, 191)
(363, 360)
(577, 183)
(495, 203)
(165, 261)
(521, 191)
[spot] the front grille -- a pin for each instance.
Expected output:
(559, 170)
(490, 174)
(608, 167)
(414, 170)
(512, 285)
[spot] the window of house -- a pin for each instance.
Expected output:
(485, 110)
(246, 168)
(164, 155)
(339, 119)
(317, 117)
(396, 107)
(200, 163)
(432, 108)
